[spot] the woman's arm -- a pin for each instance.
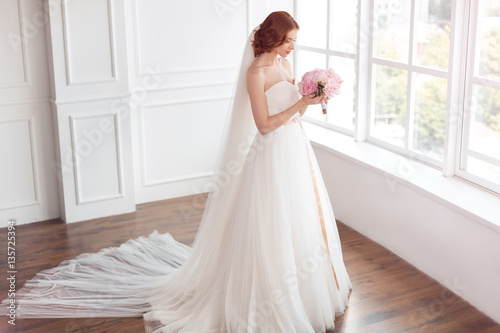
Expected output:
(265, 123)
(288, 67)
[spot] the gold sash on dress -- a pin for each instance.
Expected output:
(318, 201)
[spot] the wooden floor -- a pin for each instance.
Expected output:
(388, 294)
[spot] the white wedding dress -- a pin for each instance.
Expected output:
(268, 270)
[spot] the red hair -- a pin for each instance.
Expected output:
(273, 32)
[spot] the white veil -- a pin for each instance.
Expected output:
(239, 132)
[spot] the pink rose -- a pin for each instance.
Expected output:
(321, 76)
(308, 77)
(331, 90)
(308, 87)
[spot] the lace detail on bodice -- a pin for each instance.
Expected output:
(280, 97)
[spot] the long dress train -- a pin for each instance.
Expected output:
(276, 266)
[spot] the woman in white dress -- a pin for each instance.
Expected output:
(267, 255)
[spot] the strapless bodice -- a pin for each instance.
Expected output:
(281, 96)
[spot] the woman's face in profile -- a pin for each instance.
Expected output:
(289, 45)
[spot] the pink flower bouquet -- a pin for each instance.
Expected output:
(321, 82)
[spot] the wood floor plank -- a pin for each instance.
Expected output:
(389, 295)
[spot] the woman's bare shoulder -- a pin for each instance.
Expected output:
(258, 65)
(255, 72)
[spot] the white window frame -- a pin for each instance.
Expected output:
(411, 70)
(327, 52)
(466, 115)
(459, 76)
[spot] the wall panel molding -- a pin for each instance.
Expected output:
(78, 173)
(170, 180)
(20, 38)
(33, 172)
(36, 100)
(88, 99)
(185, 101)
(28, 182)
(143, 111)
(175, 69)
(89, 64)
(140, 72)
(70, 77)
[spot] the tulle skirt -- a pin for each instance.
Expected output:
(276, 266)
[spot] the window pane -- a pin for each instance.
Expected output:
(432, 33)
(343, 25)
(488, 39)
(483, 169)
(392, 29)
(307, 61)
(429, 115)
(389, 91)
(485, 124)
(341, 107)
(312, 15)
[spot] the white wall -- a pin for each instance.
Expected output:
(89, 69)
(108, 103)
(28, 190)
(456, 250)
(183, 61)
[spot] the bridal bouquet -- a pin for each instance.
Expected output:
(319, 82)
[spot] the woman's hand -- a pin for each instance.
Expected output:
(312, 99)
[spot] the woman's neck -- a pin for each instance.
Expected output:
(269, 58)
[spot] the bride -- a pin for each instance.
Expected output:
(267, 255)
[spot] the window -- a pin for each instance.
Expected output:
(421, 78)
(328, 38)
(480, 145)
(409, 70)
